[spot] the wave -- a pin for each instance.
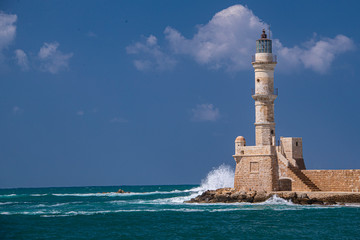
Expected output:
(55, 213)
(113, 194)
(55, 205)
(6, 203)
(75, 213)
(30, 213)
(220, 177)
(357, 205)
(275, 200)
(9, 195)
(110, 194)
(23, 195)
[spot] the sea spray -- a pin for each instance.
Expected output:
(220, 177)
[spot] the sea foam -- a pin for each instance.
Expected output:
(220, 177)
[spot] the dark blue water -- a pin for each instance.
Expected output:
(158, 212)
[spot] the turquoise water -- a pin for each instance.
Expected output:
(158, 212)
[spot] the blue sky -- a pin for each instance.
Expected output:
(155, 92)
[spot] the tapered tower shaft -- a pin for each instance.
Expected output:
(264, 95)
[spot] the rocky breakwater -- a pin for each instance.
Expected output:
(230, 195)
(121, 191)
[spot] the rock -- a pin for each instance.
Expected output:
(121, 191)
(260, 196)
(330, 203)
(303, 196)
(289, 195)
(230, 195)
(242, 192)
(222, 198)
(238, 196)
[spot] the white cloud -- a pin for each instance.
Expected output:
(151, 56)
(316, 55)
(228, 40)
(205, 112)
(52, 59)
(22, 59)
(7, 30)
(118, 120)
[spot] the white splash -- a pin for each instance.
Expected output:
(220, 177)
(275, 200)
(38, 195)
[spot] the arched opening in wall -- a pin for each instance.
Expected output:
(258, 80)
(296, 143)
(272, 132)
(285, 184)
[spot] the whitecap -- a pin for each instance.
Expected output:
(6, 203)
(357, 205)
(275, 200)
(113, 194)
(9, 195)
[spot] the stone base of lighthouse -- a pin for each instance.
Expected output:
(256, 169)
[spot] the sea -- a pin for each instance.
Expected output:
(159, 212)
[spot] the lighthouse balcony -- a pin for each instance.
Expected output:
(264, 58)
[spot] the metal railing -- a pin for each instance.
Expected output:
(273, 60)
(275, 92)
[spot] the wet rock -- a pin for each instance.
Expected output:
(261, 196)
(121, 191)
(330, 203)
(302, 195)
(230, 195)
(289, 195)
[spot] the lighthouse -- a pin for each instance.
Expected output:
(264, 63)
(257, 166)
(268, 166)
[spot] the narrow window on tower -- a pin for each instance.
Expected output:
(258, 80)
(296, 144)
(272, 133)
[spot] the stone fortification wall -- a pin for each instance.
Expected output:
(335, 180)
(256, 168)
(256, 173)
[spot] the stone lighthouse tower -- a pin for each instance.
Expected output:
(267, 166)
(264, 63)
(257, 166)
